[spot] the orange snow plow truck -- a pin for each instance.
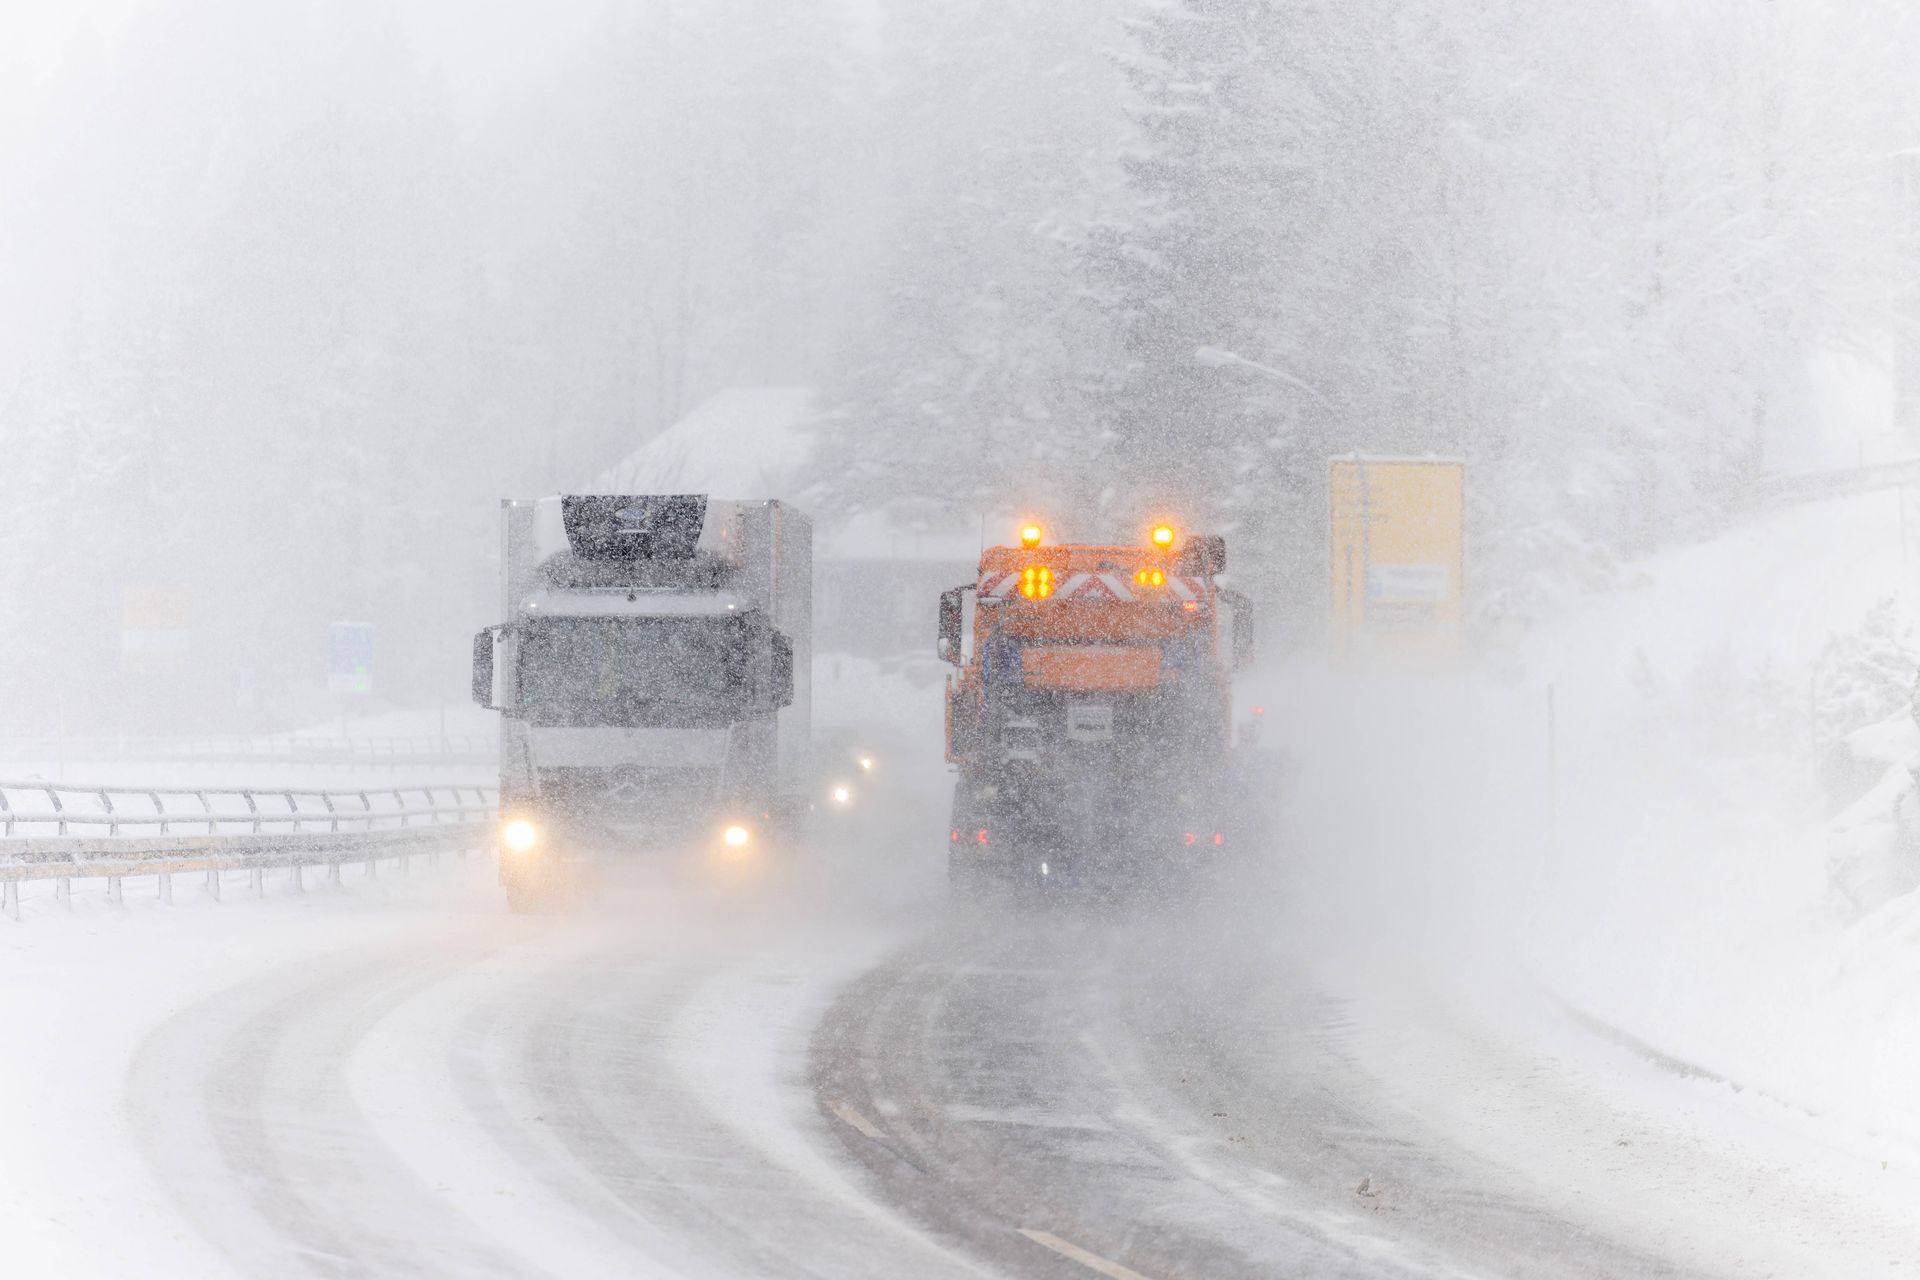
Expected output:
(1090, 717)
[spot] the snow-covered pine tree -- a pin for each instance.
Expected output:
(1865, 675)
(1212, 247)
(1191, 262)
(964, 391)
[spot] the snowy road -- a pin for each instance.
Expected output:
(1123, 1089)
(410, 1082)
(502, 1097)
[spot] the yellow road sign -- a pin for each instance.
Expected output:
(1397, 556)
(156, 628)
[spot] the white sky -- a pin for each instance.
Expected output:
(479, 47)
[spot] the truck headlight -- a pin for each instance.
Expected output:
(519, 835)
(736, 837)
(842, 794)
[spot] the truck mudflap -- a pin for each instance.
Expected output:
(995, 836)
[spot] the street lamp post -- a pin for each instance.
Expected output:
(1219, 358)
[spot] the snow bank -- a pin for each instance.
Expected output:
(1871, 844)
(1707, 897)
(89, 984)
(1664, 855)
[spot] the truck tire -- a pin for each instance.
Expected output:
(527, 897)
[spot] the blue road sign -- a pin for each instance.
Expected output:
(350, 657)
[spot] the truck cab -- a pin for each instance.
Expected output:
(651, 673)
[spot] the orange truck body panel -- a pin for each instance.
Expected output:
(1085, 668)
(1085, 645)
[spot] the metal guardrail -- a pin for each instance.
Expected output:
(1781, 491)
(231, 810)
(216, 830)
(390, 750)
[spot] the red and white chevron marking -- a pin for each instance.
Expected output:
(999, 585)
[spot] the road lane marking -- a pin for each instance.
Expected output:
(1029, 1117)
(1091, 1261)
(846, 1112)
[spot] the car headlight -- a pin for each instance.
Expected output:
(842, 794)
(866, 763)
(519, 835)
(736, 837)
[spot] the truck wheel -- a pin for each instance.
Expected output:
(526, 897)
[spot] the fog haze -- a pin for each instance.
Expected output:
(1447, 463)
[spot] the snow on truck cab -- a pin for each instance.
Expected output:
(652, 674)
(1090, 715)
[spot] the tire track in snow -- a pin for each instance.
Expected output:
(525, 1100)
(242, 1105)
(609, 1058)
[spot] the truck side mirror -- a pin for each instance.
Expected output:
(1243, 628)
(1204, 553)
(736, 661)
(782, 670)
(952, 612)
(485, 669)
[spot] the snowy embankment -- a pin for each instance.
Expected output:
(1680, 861)
(88, 983)
(1650, 953)
(1712, 902)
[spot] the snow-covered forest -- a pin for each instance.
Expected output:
(281, 318)
(1590, 248)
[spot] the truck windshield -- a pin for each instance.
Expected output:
(619, 671)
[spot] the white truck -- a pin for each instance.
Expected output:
(652, 673)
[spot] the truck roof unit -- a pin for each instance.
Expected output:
(640, 541)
